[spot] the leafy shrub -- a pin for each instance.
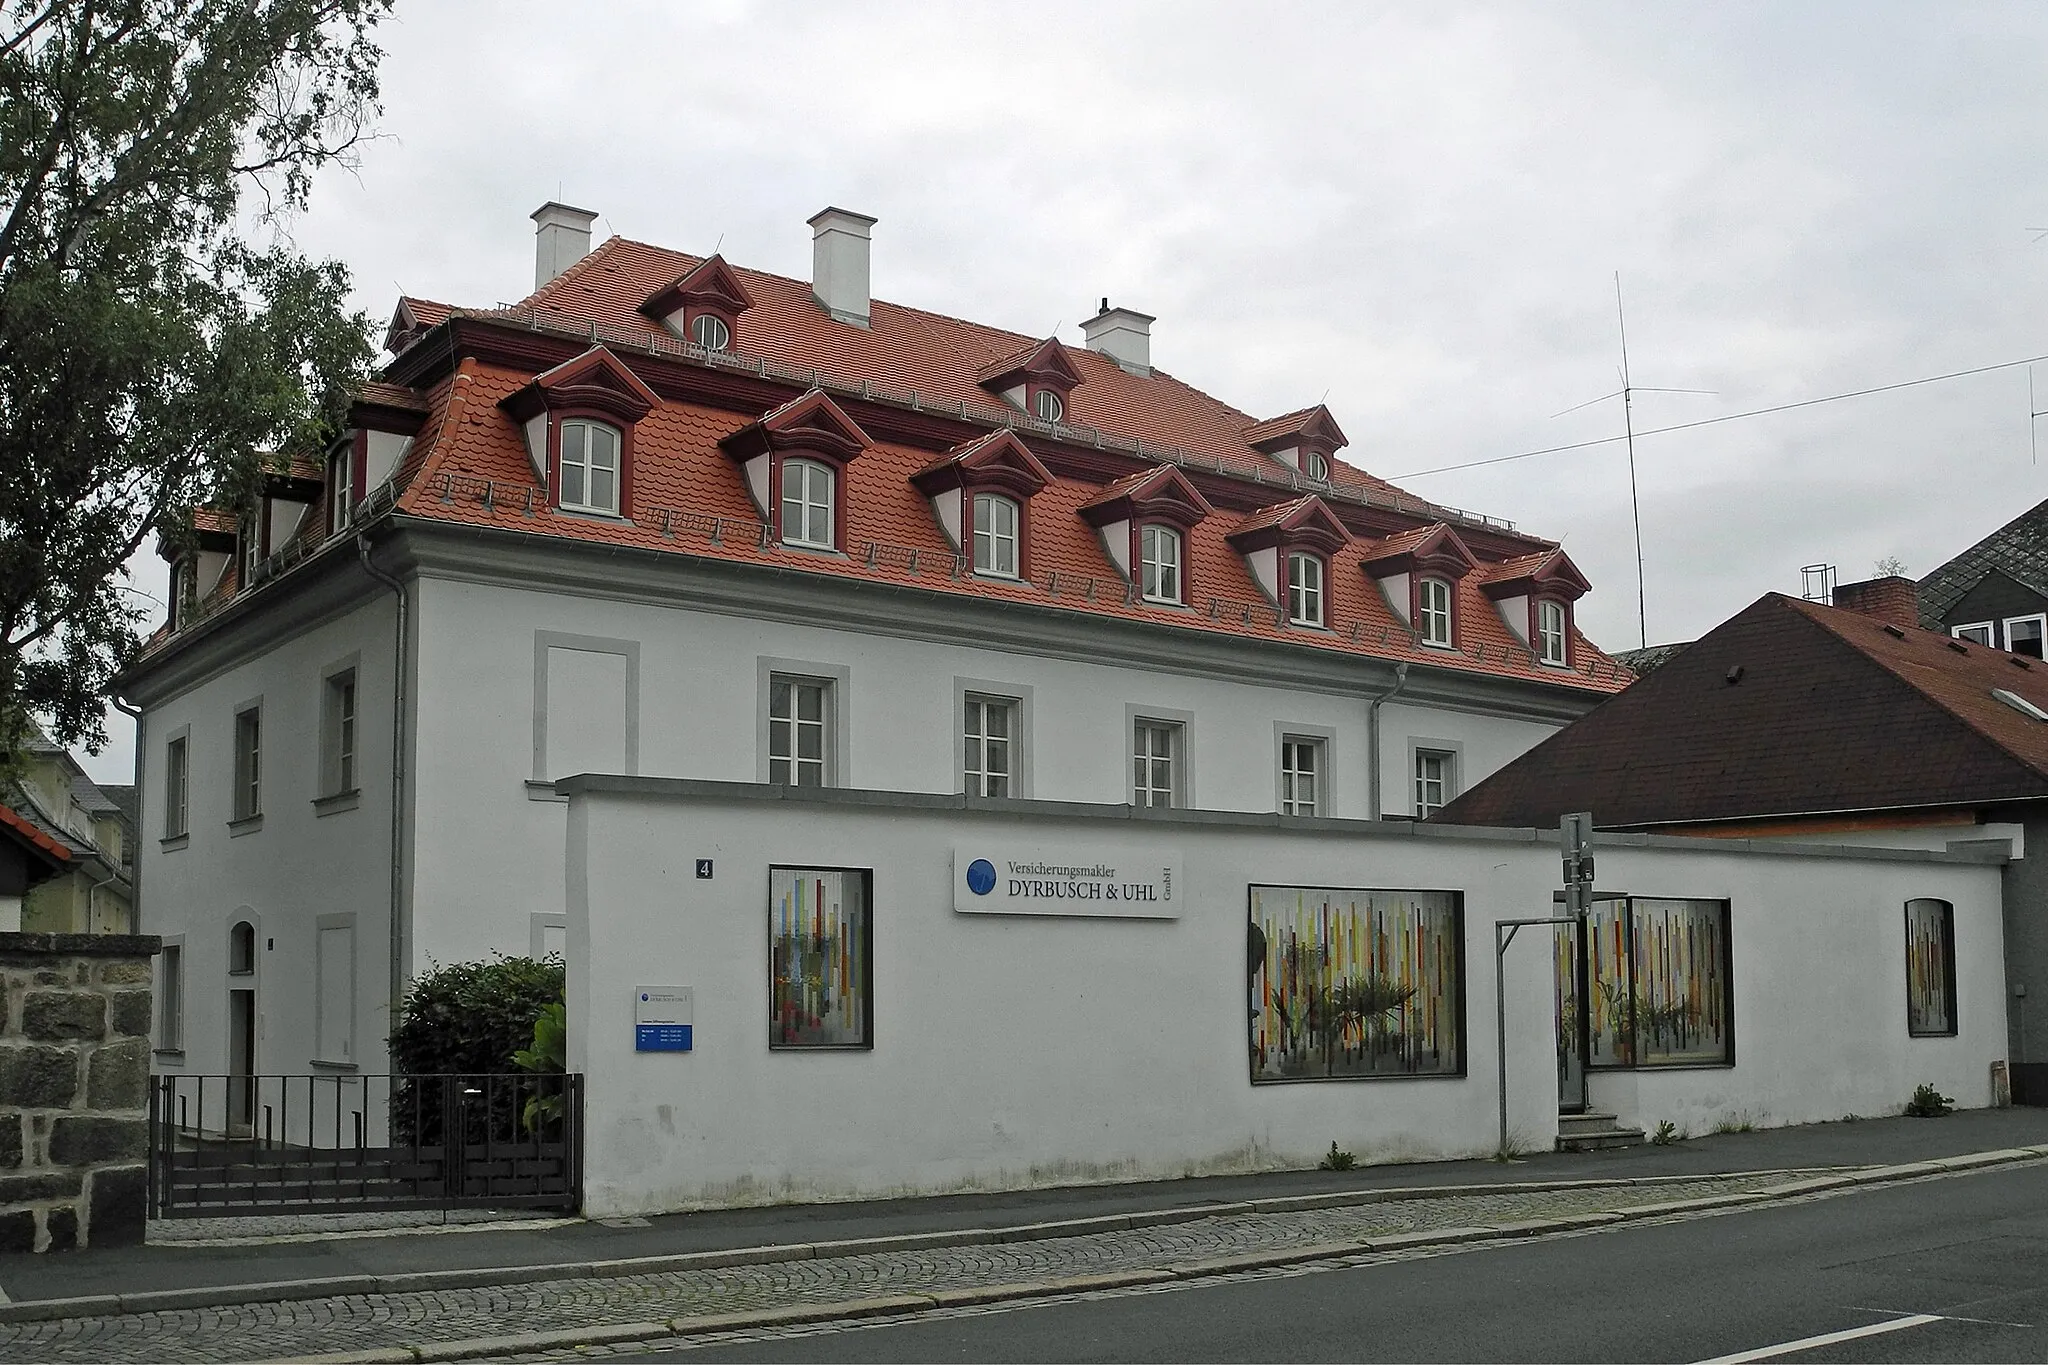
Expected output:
(1666, 1133)
(469, 1021)
(1336, 1160)
(1929, 1103)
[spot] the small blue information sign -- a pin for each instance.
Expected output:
(661, 1019)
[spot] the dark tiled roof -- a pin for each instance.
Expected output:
(2020, 547)
(1641, 661)
(1789, 708)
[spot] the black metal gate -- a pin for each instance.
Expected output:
(340, 1142)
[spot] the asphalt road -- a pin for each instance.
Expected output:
(1969, 1253)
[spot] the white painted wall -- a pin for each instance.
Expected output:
(298, 866)
(1016, 1051)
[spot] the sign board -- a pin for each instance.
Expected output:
(1085, 880)
(661, 1019)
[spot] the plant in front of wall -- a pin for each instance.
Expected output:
(1335, 1160)
(1666, 1133)
(548, 1060)
(458, 1030)
(1736, 1123)
(1929, 1103)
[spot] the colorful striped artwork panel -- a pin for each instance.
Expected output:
(1355, 984)
(819, 942)
(1930, 967)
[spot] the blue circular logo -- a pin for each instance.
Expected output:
(981, 876)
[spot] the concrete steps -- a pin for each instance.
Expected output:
(1594, 1131)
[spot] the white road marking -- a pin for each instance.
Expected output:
(1786, 1348)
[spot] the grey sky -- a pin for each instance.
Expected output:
(1417, 209)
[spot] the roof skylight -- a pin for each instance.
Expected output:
(2019, 703)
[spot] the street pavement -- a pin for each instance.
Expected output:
(1946, 1269)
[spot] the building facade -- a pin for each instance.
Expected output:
(668, 517)
(94, 824)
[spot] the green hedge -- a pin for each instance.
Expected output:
(468, 1018)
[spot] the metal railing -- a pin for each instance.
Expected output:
(335, 1142)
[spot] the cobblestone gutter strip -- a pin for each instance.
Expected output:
(282, 1291)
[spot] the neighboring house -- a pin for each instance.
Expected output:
(1795, 720)
(29, 856)
(1996, 592)
(671, 517)
(96, 893)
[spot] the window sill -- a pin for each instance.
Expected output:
(538, 790)
(342, 1068)
(337, 802)
(174, 1056)
(591, 514)
(173, 841)
(830, 551)
(1444, 645)
(248, 824)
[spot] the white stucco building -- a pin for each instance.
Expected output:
(667, 517)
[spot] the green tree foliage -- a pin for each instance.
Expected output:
(158, 332)
(473, 1018)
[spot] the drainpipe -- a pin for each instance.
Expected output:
(1372, 739)
(398, 665)
(92, 894)
(134, 853)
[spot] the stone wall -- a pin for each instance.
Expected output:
(74, 1088)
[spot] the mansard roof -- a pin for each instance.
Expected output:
(1550, 573)
(1305, 521)
(998, 458)
(711, 283)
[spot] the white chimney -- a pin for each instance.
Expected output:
(839, 263)
(1122, 334)
(561, 238)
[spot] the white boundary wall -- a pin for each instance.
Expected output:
(1012, 1051)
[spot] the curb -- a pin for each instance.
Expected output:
(1820, 1179)
(898, 1305)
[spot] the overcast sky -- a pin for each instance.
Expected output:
(1414, 213)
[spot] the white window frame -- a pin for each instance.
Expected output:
(340, 729)
(1302, 788)
(170, 999)
(247, 765)
(1048, 406)
(1429, 616)
(1161, 554)
(1157, 750)
(700, 329)
(586, 466)
(1304, 598)
(1445, 779)
(1316, 465)
(2037, 618)
(251, 546)
(342, 490)
(1552, 631)
(816, 493)
(980, 744)
(785, 732)
(992, 543)
(1970, 633)
(178, 785)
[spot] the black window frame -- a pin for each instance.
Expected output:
(867, 958)
(1948, 963)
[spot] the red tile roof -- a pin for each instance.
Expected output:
(26, 831)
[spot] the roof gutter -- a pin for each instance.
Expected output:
(1372, 740)
(398, 670)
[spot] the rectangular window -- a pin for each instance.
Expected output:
(590, 467)
(170, 1001)
(1155, 758)
(341, 489)
(1301, 776)
(2023, 635)
(995, 535)
(1304, 589)
(1977, 633)
(1550, 632)
(338, 734)
(799, 724)
(1657, 974)
(1353, 985)
(177, 784)
(248, 803)
(820, 958)
(1435, 781)
(991, 732)
(1434, 602)
(1159, 564)
(334, 1002)
(1930, 968)
(807, 504)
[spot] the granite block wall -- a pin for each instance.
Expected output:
(74, 1089)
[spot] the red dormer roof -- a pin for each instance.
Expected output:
(1305, 521)
(711, 284)
(1161, 494)
(1308, 426)
(1428, 549)
(810, 422)
(1044, 362)
(412, 319)
(998, 459)
(594, 379)
(1549, 573)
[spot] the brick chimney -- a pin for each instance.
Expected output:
(1892, 600)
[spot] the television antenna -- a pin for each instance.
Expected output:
(1627, 394)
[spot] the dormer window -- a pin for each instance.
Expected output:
(341, 488)
(995, 535)
(1550, 632)
(1159, 560)
(1304, 589)
(1433, 612)
(250, 540)
(590, 467)
(1047, 406)
(1303, 440)
(1315, 464)
(710, 332)
(1035, 379)
(807, 504)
